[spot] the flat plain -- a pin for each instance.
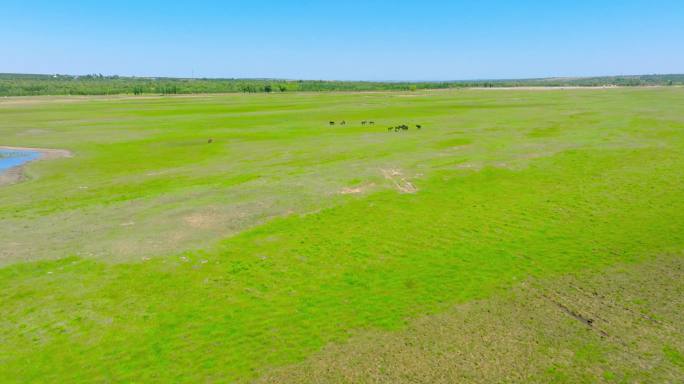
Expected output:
(519, 235)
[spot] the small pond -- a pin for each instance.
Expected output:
(10, 158)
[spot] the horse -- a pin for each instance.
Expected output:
(332, 123)
(419, 126)
(363, 122)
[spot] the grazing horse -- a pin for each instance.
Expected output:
(419, 126)
(371, 122)
(363, 122)
(343, 122)
(332, 123)
(390, 129)
(210, 141)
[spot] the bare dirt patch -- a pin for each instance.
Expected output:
(400, 182)
(356, 190)
(204, 219)
(351, 191)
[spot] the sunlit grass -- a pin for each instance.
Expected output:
(164, 257)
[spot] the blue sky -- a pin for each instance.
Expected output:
(346, 40)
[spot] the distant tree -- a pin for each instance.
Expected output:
(98, 84)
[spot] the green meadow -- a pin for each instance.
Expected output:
(240, 237)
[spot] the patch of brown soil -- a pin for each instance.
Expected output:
(355, 190)
(351, 191)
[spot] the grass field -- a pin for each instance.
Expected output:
(287, 243)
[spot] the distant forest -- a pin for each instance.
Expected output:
(31, 85)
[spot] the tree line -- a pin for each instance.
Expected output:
(97, 84)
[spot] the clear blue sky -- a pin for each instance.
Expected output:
(336, 39)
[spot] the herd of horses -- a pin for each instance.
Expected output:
(397, 128)
(402, 127)
(345, 123)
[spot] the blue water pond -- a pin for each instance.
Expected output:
(10, 158)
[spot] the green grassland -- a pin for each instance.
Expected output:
(153, 255)
(536, 333)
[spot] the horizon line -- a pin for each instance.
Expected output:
(350, 80)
